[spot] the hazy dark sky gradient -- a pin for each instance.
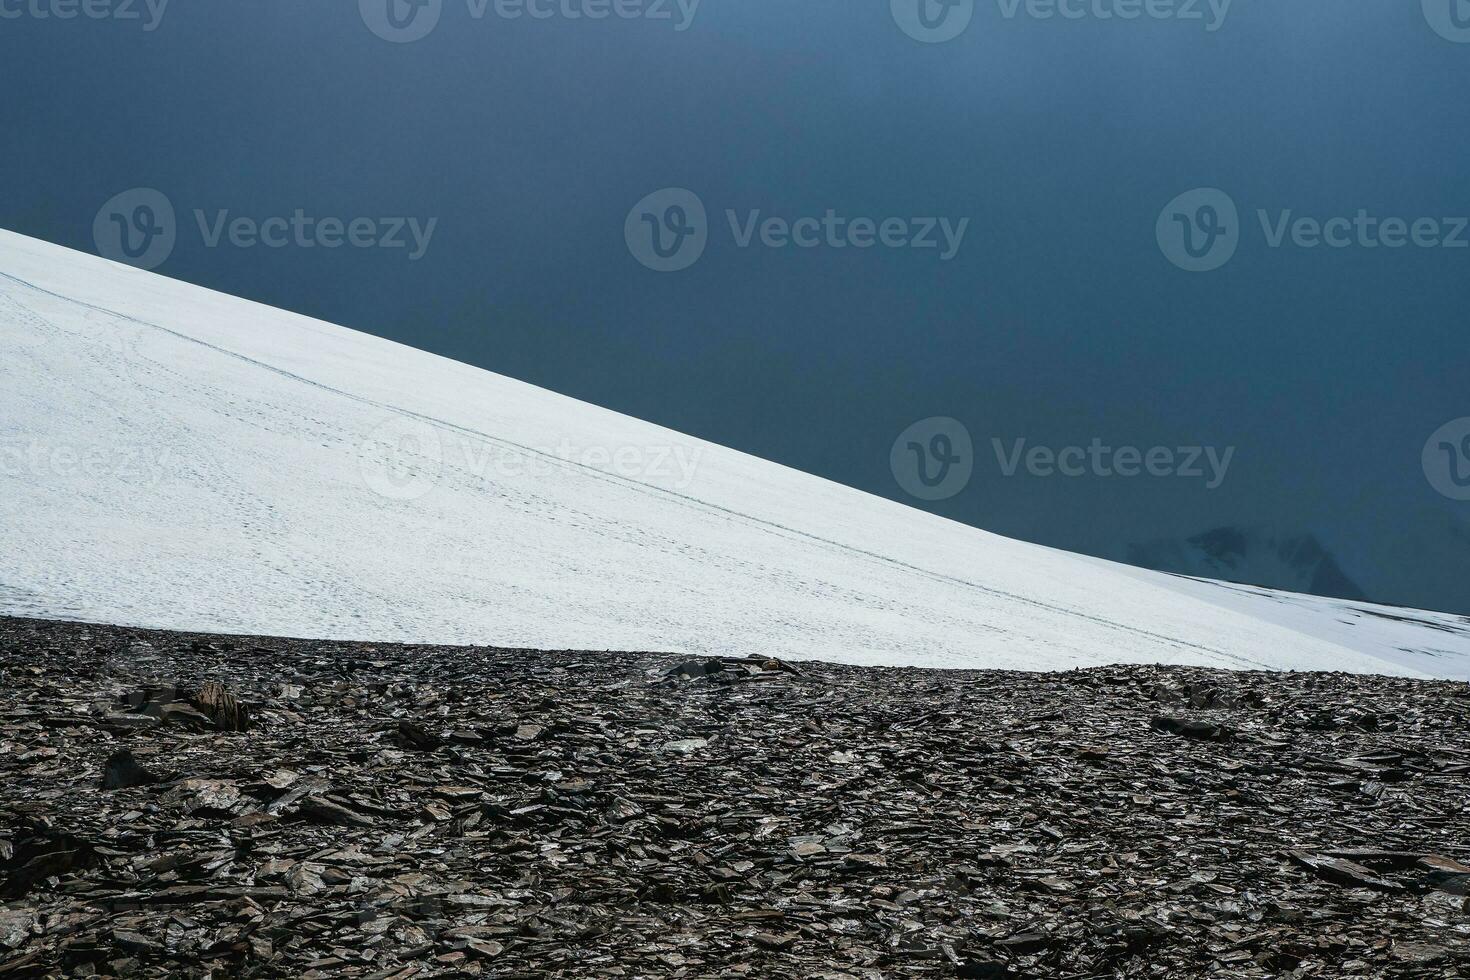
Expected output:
(1059, 321)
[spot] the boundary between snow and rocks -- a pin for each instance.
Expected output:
(262, 642)
(394, 811)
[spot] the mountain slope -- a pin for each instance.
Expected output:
(174, 457)
(1254, 556)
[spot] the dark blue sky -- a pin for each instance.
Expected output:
(1060, 320)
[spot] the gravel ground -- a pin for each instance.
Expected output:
(393, 811)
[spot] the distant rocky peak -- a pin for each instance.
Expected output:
(1295, 562)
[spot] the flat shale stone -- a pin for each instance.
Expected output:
(123, 771)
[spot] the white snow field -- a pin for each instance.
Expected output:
(173, 457)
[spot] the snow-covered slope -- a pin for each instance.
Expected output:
(174, 457)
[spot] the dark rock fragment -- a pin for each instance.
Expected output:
(693, 669)
(1026, 943)
(1446, 875)
(983, 969)
(1343, 872)
(412, 735)
(1199, 731)
(324, 810)
(122, 771)
(38, 851)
